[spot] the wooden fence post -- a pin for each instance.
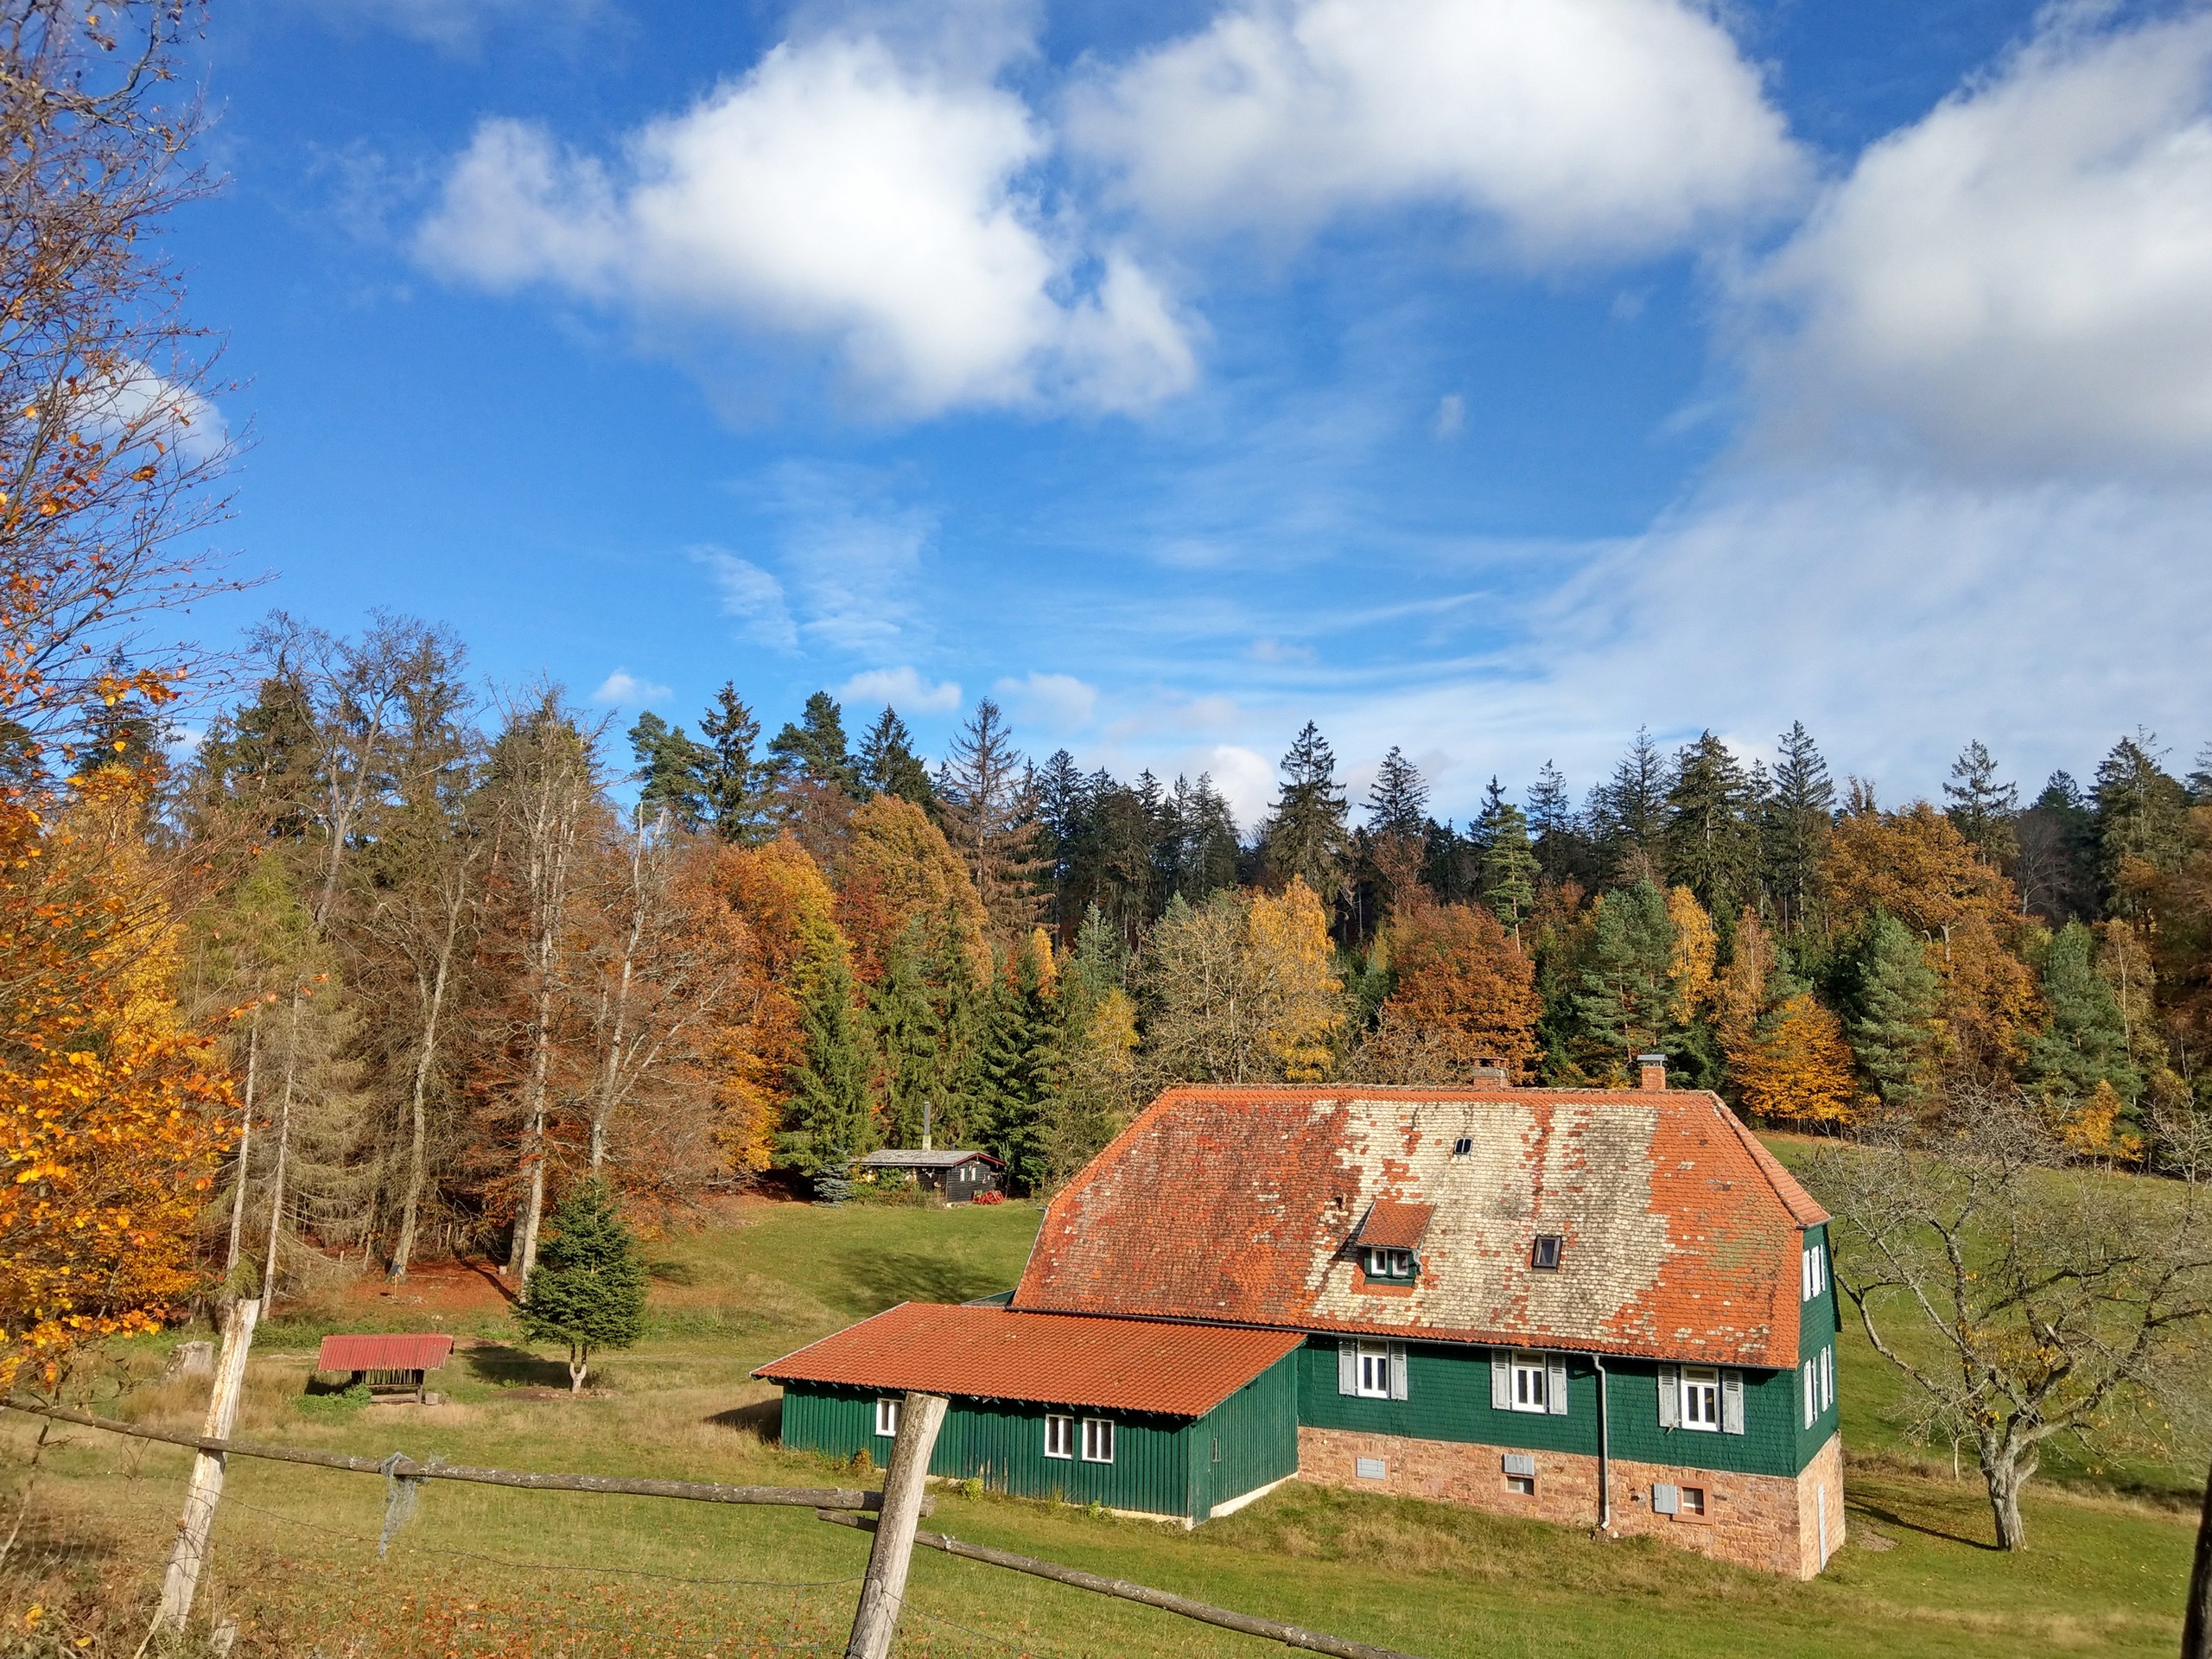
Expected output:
(921, 1416)
(182, 1581)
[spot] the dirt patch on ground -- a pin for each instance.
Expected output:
(447, 1288)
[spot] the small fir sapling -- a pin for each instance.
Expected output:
(588, 1289)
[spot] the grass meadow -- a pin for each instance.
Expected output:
(483, 1571)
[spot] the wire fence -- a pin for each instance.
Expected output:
(317, 1576)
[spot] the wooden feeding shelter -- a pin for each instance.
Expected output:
(958, 1177)
(387, 1363)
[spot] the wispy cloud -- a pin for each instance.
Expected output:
(751, 595)
(1061, 704)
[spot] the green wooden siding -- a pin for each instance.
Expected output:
(1447, 1398)
(1162, 1466)
(1820, 1322)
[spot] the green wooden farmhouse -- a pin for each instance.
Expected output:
(1598, 1308)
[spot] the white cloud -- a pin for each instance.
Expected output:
(623, 689)
(1450, 415)
(751, 595)
(457, 26)
(851, 556)
(1059, 702)
(902, 688)
(1580, 127)
(841, 194)
(2021, 281)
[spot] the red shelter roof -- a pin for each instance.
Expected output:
(1064, 1359)
(379, 1352)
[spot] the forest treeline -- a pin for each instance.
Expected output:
(463, 956)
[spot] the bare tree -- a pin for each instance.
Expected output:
(2023, 1301)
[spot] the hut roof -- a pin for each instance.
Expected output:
(383, 1352)
(1182, 1371)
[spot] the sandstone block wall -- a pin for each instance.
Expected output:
(1768, 1521)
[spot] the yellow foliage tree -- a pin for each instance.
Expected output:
(1287, 938)
(1689, 963)
(112, 1115)
(1918, 867)
(1795, 1064)
(897, 866)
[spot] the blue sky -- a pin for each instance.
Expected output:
(1488, 377)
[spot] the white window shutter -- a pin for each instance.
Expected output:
(1501, 1380)
(1731, 1402)
(1397, 1371)
(1666, 1498)
(1555, 1385)
(1670, 1396)
(1347, 1366)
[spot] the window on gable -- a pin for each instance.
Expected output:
(1545, 1257)
(1059, 1436)
(887, 1418)
(1397, 1266)
(1098, 1440)
(1700, 1397)
(1375, 1370)
(1531, 1383)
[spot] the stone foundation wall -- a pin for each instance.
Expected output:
(1769, 1521)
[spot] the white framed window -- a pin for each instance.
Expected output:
(1700, 1397)
(1374, 1370)
(1522, 1485)
(1531, 1383)
(1693, 1500)
(1811, 1371)
(1395, 1265)
(1827, 1377)
(1098, 1440)
(887, 1417)
(1815, 1272)
(1059, 1436)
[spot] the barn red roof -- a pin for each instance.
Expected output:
(1182, 1371)
(380, 1352)
(1241, 1205)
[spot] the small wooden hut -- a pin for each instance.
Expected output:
(388, 1363)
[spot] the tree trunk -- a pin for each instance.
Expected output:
(579, 1363)
(425, 1063)
(2196, 1621)
(283, 1143)
(2006, 1478)
(245, 1147)
(522, 1255)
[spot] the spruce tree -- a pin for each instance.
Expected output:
(830, 1121)
(1202, 840)
(1799, 813)
(1305, 835)
(1562, 848)
(1625, 1000)
(1891, 1027)
(1981, 809)
(1014, 1067)
(588, 1287)
(1508, 868)
(731, 782)
(2086, 1041)
(1628, 811)
(1712, 810)
(888, 765)
(909, 1032)
(2141, 814)
(1397, 803)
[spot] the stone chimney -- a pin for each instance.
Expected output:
(1651, 1071)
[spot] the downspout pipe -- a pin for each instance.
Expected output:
(1604, 1463)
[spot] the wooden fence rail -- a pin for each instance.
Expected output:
(1291, 1636)
(810, 1497)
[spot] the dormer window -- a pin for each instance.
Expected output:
(1545, 1257)
(1397, 1266)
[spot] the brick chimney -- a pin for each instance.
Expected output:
(1651, 1069)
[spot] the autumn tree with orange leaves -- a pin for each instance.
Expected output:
(113, 1113)
(1463, 996)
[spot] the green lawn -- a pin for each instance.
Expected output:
(481, 1571)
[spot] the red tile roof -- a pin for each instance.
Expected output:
(379, 1352)
(1392, 1226)
(1238, 1205)
(1182, 1371)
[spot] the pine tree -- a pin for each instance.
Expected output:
(989, 796)
(2086, 1042)
(1093, 1072)
(2141, 815)
(1628, 812)
(1305, 837)
(1561, 847)
(888, 765)
(2057, 859)
(589, 1288)
(732, 783)
(1202, 840)
(1625, 1002)
(671, 771)
(1397, 803)
(1894, 1002)
(812, 749)
(1508, 868)
(908, 1023)
(1799, 810)
(1015, 1064)
(1981, 809)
